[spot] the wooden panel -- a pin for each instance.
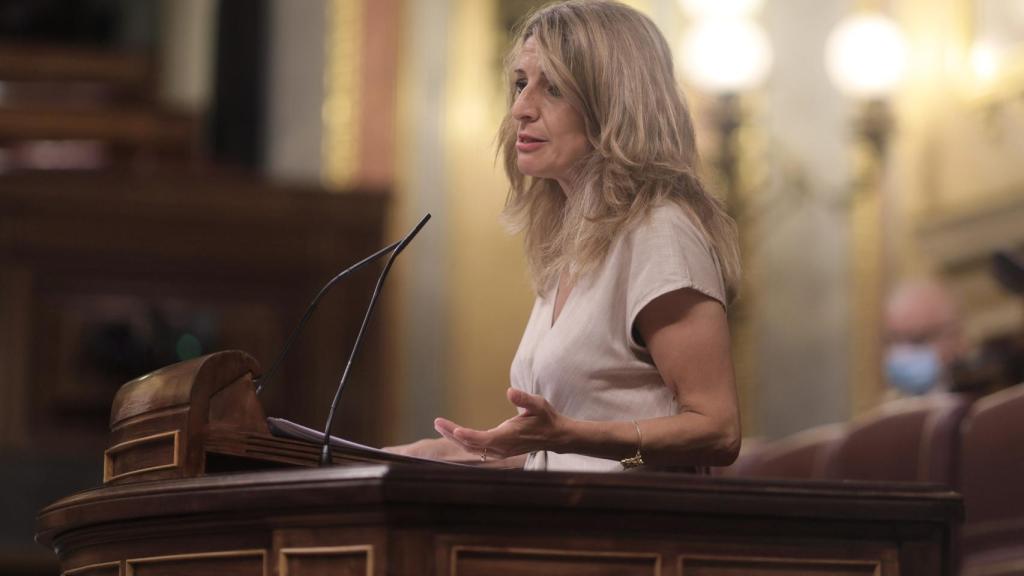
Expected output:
(155, 452)
(746, 566)
(229, 563)
(1005, 568)
(64, 64)
(321, 561)
(105, 569)
(487, 561)
(445, 521)
(128, 126)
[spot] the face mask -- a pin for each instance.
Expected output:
(913, 370)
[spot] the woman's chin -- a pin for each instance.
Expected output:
(528, 169)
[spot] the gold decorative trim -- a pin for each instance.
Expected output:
(254, 552)
(553, 552)
(108, 461)
(867, 269)
(282, 556)
(876, 564)
(99, 566)
(340, 142)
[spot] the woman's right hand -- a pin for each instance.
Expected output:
(433, 449)
(444, 449)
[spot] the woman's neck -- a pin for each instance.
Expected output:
(567, 187)
(570, 183)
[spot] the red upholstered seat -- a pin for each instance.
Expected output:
(908, 440)
(992, 538)
(800, 455)
(750, 452)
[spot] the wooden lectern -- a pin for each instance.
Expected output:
(200, 417)
(177, 500)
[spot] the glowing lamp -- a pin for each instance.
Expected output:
(705, 8)
(725, 55)
(866, 55)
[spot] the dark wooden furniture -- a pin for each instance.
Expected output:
(99, 104)
(198, 417)
(84, 253)
(407, 519)
(87, 250)
(163, 511)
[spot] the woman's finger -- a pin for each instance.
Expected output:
(531, 402)
(470, 437)
(446, 428)
(445, 425)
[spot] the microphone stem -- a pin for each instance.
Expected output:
(325, 452)
(312, 306)
(325, 456)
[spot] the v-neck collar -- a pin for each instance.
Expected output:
(552, 319)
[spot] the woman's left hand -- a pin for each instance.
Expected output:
(537, 427)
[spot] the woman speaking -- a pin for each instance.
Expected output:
(625, 360)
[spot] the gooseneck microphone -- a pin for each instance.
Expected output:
(312, 306)
(325, 450)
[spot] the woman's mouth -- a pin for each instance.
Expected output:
(527, 143)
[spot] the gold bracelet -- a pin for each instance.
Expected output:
(638, 459)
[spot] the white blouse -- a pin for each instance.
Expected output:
(588, 365)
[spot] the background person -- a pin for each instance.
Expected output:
(924, 337)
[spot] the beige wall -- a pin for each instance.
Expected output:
(799, 253)
(465, 299)
(490, 295)
(295, 90)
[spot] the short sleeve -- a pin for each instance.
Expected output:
(666, 252)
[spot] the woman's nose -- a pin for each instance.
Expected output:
(524, 109)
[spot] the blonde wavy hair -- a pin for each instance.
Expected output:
(614, 67)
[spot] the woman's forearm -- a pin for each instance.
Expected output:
(684, 439)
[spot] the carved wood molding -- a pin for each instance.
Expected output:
(95, 569)
(964, 238)
(110, 455)
(511, 559)
(134, 565)
(359, 552)
(794, 566)
(960, 244)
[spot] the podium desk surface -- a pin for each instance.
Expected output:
(425, 519)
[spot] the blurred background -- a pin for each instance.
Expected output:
(180, 176)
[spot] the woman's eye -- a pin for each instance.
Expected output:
(520, 86)
(554, 91)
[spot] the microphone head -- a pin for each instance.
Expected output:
(412, 234)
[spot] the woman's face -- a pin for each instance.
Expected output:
(551, 137)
